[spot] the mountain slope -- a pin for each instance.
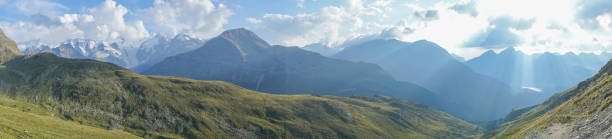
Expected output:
(241, 57)
(108, 96)
(21, 120)
(9, 49)
(469, 95)
(548, 72)
(104, 95)
(582, 111)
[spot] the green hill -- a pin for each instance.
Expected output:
(107, 96)
(565, 113)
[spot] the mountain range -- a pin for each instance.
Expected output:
(470, 95)
(241, 57)
(106, 100)
(547, 73)
(321, 49)
(418, 71)
(340, 96)
(156, 49)
(82, 49)
(149, 52)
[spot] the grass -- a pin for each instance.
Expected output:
(22, 120)
(106, 96)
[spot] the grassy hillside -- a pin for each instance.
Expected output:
(587, 99)
(22, 120)
(107, 96)
(8, 48)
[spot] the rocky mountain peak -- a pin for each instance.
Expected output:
(243, 37)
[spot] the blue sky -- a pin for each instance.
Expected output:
(463, 27)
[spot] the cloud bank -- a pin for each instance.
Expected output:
(48, 22)
(201, 18)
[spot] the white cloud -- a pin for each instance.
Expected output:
(109, 24)
(481, 24)
(330, 26)
(572, 38)
(2, 2)
(565, 25)
(550, 30)
(427, 15)
(500, 33)
(541, 9)
(446, 27)
(24, 31)
(201, 18)
(588, 12)
(45, 7)
(104, 22)
(40, 19)
(583, 27)
(253, 20)
(300, 3)
(605, 21)
(467, 7)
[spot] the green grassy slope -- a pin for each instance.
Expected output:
(586, 99)
(22, 120)
(107, 96)
(9, 48)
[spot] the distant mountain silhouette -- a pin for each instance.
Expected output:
(548, 72)
(321, 49)
(469, 95)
